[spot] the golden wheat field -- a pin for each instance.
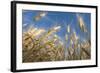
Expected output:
(41, 45)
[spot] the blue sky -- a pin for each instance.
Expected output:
(55, 19)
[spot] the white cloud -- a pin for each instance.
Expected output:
(24, 25)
